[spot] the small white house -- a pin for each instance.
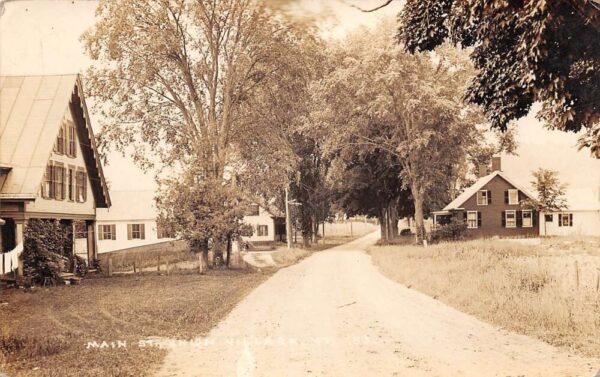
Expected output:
(130, 222)
(268, 228)
(582, 218)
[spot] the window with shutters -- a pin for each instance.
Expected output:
(47, 185)
(80, 186)
(60, 145)
(549, 218)
(565, 219)
(59, 181)
(510, 219)
(527, 219)
(72, 139)
(262, 230)
(483, 197)
(71, 184)
(107, 232)
(472, 219)
(513, 197)
(136, 231)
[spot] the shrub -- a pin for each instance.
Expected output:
(453, 231)
(44, 250)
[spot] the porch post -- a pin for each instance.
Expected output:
(91, 241)
(19, 228)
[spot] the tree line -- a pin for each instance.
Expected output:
(235, 103)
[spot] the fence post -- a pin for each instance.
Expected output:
(110, 265)
(134, 269)
(158, 263)
(577, 274)
(598, 280)
(167, 267)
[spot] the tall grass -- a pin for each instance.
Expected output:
(522, 288)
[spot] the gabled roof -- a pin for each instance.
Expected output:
(31, 113)
(481, 182)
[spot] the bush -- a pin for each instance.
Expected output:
(454, 231)
(44, 250)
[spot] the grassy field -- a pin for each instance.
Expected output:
(284, 257)
(45, 331)
(549, 290)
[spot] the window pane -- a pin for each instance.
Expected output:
(513, 196)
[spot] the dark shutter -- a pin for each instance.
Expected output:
(113, 231)
(534, 218)
(465, 216)
(128, 231)
(503, 219)
(519, 219)
(478, 219)
(142, 231)
(100, 233)
(506, 197)
(570, 219)
(560, 219)
(489, 194)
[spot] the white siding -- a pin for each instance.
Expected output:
(585, 223)
(263, 218)
(121, 241)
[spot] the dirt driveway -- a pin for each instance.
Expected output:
(334, 314)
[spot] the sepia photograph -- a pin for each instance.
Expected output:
(300, 188)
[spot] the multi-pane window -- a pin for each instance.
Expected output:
(47, 186)
(483, 197)
(527, 219)
(565, 219)
(472, 219)
(262, 230)
(511, 219)
(59, 147)
(66, 141)
(72, 139)
(136, 231)
(71, 184)
(513, 197)
(107, 232)
(58, 180)
(548, 217)
(80, 186)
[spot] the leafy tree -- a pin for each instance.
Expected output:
(407, 105)
(203, 212)
(550, 192)
(525, 51)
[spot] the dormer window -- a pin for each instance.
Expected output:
(484, 197)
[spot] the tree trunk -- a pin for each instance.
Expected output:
(315, 228)
(203, 257)
(383, 225)
(228, 259)
(419, 220)
(393, 216)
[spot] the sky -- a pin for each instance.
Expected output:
(42, 37)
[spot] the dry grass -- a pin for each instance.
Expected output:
(44, 332)
(528, 289)
(148, 256)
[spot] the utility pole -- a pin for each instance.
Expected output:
(288, 220)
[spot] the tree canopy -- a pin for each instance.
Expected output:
(525, 51)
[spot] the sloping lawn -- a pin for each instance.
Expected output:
(45, 331)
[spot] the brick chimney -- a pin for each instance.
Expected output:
(482, 169)
(496, 163)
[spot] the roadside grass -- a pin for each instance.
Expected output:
(44, 331)
(148, 257)
(549, 291)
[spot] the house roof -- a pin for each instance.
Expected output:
(480, 183)
(129, 205)
(31, 112)
(583, 199)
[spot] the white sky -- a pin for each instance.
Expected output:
(42, 37)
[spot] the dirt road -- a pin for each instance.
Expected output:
(334, 314)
